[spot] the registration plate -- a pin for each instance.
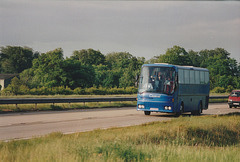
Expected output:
(235, 103)
(156, 109)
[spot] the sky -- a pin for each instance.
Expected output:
(142, 28)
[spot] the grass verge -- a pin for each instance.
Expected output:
(66, 96)
(66, 106)
(194, 138)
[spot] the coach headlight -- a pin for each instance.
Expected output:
(141, 106)
(167, 107)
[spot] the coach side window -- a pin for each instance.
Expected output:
(186, 77)
(206, 77)
(192, 77)
(181, 76)
(197, 77)
(202, 78)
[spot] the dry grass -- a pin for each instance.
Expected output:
(194, 138)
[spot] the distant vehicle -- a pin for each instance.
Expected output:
(234, 99)
(173, 89)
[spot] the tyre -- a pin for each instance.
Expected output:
(181, 110)
(147, 112)
(230, 106)
(199, 111)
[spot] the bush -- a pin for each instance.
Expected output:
(41, 91)
(218, 90)
(79, 91)
(61, 90)
(95, 91)
(131, 90)
(16, 87)
(24, 90)
(6, 92)
(229, 88)
(115, 90)
(34, 91)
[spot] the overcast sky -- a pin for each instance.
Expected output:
(142, 28)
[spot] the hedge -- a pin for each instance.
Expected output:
(67, 91)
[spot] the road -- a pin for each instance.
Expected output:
(28, 125)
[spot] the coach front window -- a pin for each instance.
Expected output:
(158, 80)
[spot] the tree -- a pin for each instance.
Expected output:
(52, 70)
(112, 78)
(224, 71)
(47, 69)
(128, 78)
(27, 77)
(222, 68)
(126, 65)
(89, 57)
(195, 58)
(105, 77)
(118, 59)
(175, 55)
(77, 75)
(101, 72)
(15, 59)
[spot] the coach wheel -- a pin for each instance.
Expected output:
(180, 111)
(147, 112)
(199, 111)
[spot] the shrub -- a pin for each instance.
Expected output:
(116, 90)
(34, 91)
(229, 88)
(79, 91)
(218, 90)
(6, 92)
(44, 91)
(95, 91)
(61, 90)
(131, 90)
(23, 90)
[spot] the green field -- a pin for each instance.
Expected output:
(193, 138)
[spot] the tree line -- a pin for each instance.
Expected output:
(89, 68)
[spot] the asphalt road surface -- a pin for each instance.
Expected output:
(28, 125)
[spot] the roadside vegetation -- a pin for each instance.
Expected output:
(73, 106)
(187, 138)
(88, 71)
(64, 106)
(52, 91)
